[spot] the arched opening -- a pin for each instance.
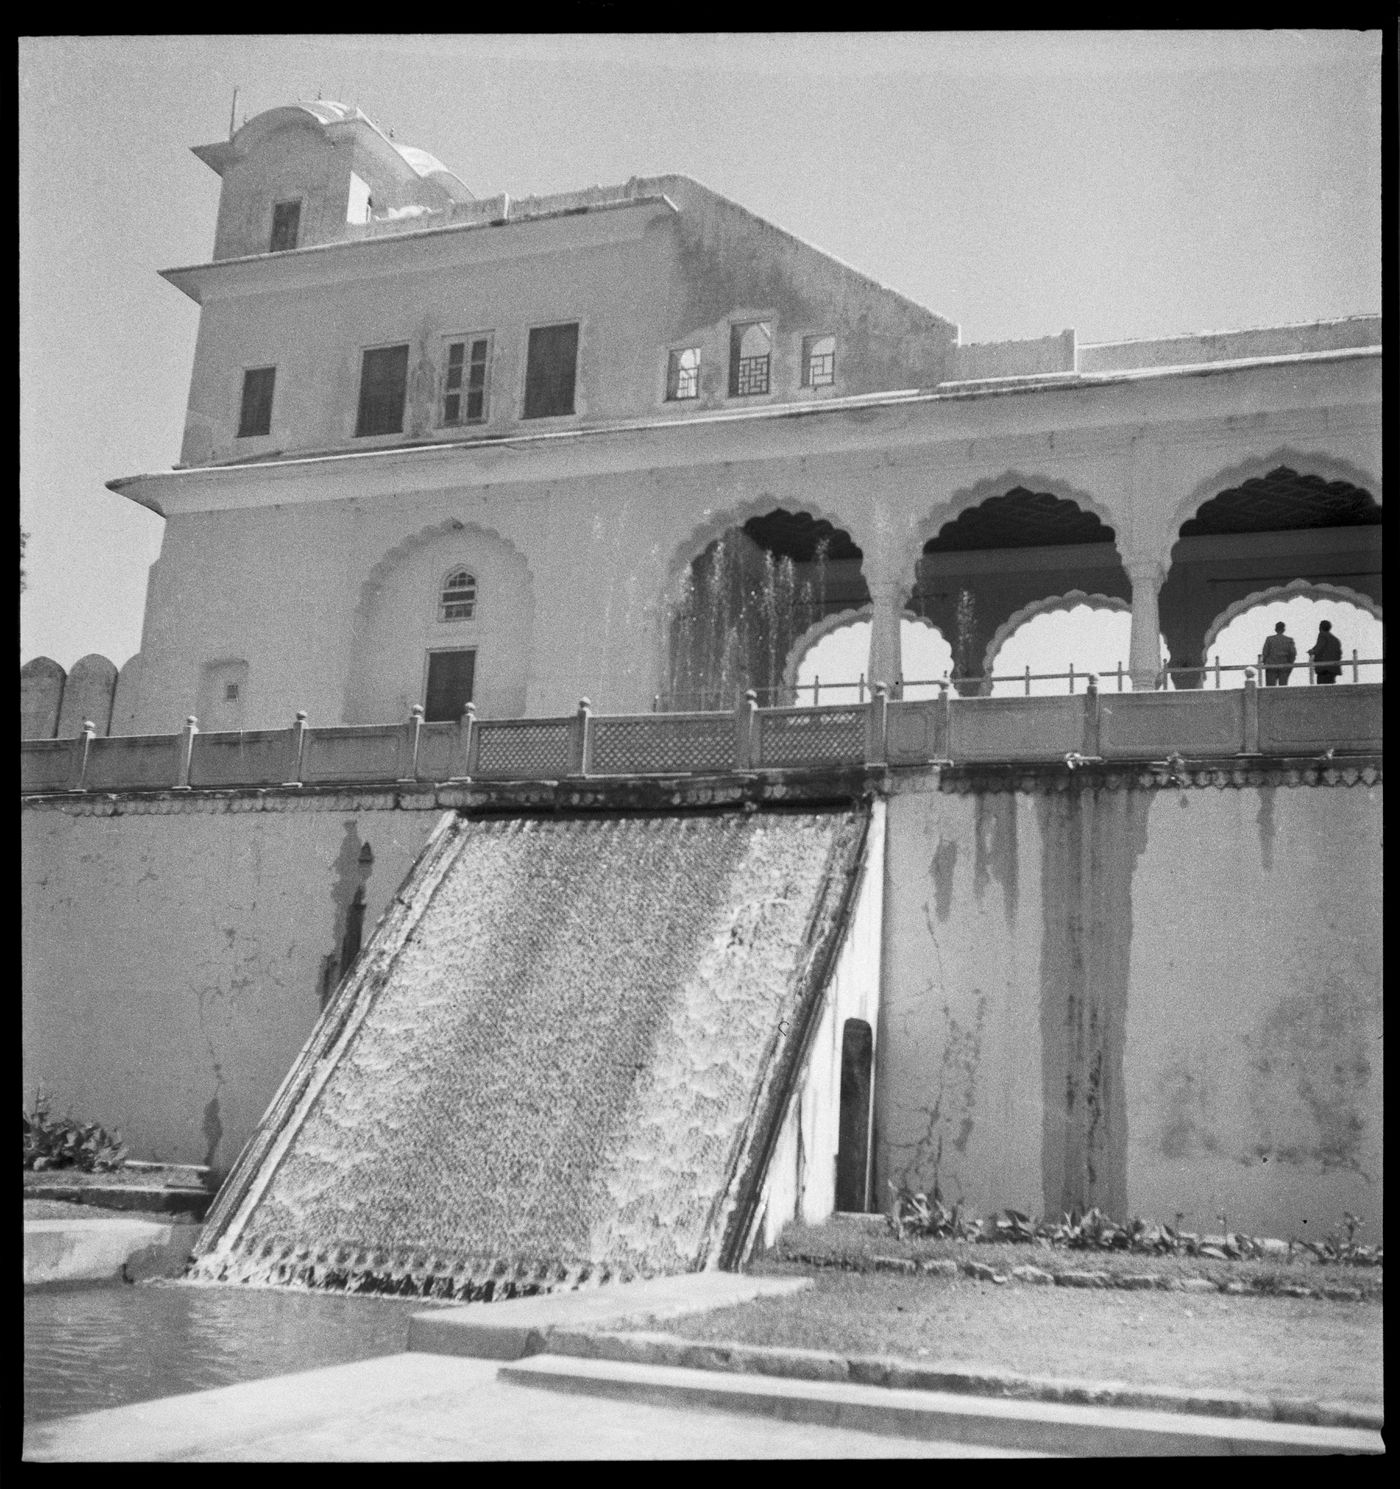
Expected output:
(1268, 531)
(444, 618)
(853, 1127)
(832, 668)
(746, 600)
(1080, 634)
(1011, 551)
(1238, 638)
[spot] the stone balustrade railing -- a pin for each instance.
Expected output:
(1078, 729)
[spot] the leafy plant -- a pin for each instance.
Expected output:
(1349, 1251)
(60, 1142)
(917, 1215)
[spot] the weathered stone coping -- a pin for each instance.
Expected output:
(104, 1250)
(517, 1327)
(1088, 1276)
(835, 786)
(896, 1374)
(770, 789)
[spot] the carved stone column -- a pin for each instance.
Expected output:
(886, 665)
(1145, 648)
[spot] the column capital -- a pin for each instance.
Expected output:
(1145, 569)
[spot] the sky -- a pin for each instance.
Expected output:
(1125, 184)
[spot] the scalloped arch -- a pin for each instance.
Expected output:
(1046, 606)
(1255, 467)
(819, 630)
(1295, 589)
(699, 538)
(967, 497)
(400, 552)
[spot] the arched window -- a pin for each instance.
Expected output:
(458, 598)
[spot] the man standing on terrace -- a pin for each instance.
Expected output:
(1277, 658)
(1326, 652)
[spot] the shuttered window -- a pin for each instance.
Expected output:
(286, 224)
(383, 379)
(255, 414)
(464, 380)
(550, 369)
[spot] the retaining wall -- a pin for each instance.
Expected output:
(1149, 992)
(1151, 988)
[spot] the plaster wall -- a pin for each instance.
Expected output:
(173, 960)
(278, 566)
(640, 279)
(296, 163)
(801, 1182)
(1150, 1000)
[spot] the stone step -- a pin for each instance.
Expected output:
(1045, 1427)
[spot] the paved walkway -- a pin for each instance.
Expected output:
(432, 1408)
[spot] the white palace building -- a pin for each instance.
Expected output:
(442, 449)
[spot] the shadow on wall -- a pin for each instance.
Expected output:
(54, 704)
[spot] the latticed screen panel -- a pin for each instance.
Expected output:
(810, 737)
(662, 744)
(534, 750)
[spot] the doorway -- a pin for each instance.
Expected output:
(451, 676)
(853, 1131)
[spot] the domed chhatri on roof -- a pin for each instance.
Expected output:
(312, 172)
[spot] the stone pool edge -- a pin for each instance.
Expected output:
(67, 1252)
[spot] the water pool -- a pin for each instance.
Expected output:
(90, 1348)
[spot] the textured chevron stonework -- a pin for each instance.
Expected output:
(568, 1069)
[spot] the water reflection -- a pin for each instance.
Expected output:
(86, 1349)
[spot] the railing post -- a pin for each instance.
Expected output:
(1071, 679)
(1251, 713)
(408, 744)
(860, 696)
(1217, 672)
(1028, 679)
(1091, 716)
(298, 748)
(744, 730)
(187, 734)
(876, 724)
(581, 743)
(466, 742)
(77, 776)
(1355, 665)
(945, 718)
(816, 690)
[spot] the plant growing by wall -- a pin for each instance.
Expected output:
(60, 1142)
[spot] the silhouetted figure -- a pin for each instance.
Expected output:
(1326, 653)
(1278, 656)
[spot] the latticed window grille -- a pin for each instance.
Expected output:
(661, 745)
(750, 353)
(826, 736)
(818, 361)
(457, 600)
(533, 750)
(683, 374)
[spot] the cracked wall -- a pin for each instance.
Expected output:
(174, 962)
(958, 1084)
(1156, 1001)
(1254, 1042)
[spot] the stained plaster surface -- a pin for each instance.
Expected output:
(1155, 998)
(562, 1066)
(175, 951)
